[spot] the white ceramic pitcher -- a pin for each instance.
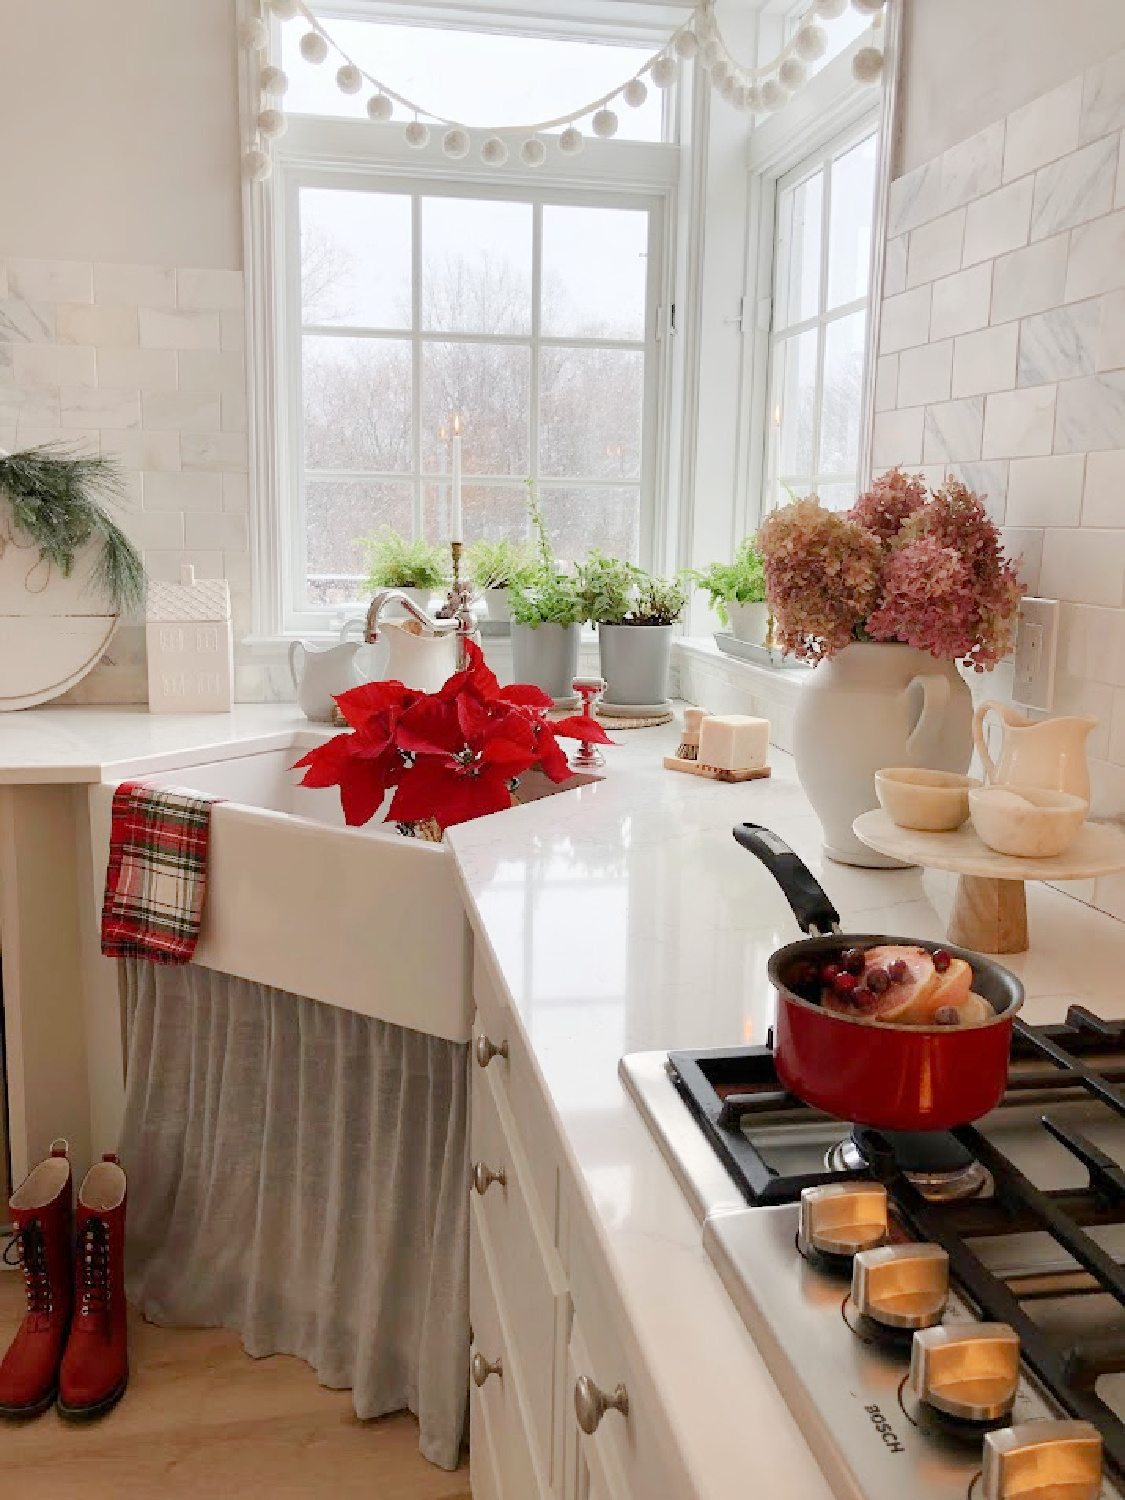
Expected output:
(417, 657)
(319, 673)
(1048, 753)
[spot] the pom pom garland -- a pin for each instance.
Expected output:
(254, 35)
(773, 95)
(314, 48)
(753, 98)
(533, 153)
(634, 93)
(271, 123)
(687, 44)
(571, 141)
(712, 52)
(720, 73)
(663, 72)
(604, 124)
(792, 73)
(380, 108)
(812, 42)
(727, 89)
(830, 9)
(349, 80)
(456, 143)
(867, 65)
(494, 152)
(868, 7)
(273, 81)
(285, 10)
(417, 135)
(256, 166)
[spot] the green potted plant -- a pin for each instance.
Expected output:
(395, 562)
(634, 613)
(497, 567)
(738, 593)
(547, 612)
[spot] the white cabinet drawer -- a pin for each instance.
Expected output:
(496, 1404)
(530, 1286)
(591, 1473)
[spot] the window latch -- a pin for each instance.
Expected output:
(666, 323)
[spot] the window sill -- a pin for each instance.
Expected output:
(704, 675)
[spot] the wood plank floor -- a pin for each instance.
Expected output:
(202, 1419)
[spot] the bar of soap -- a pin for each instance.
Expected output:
(734, 742)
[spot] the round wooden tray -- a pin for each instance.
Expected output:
(990, 906)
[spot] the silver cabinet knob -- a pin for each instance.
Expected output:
(591, 1403)
(901, 1286)
(1043, 1458)
(483, 1368)
(486, 1050)
(842, 1218)
(967, 1370)
(484, 1177)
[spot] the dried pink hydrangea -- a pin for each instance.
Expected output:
(928, 601)
(822, 574)
(890, 500)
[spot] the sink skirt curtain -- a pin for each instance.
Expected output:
(299, 1174)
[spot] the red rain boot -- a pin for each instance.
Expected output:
(95, 1367)
(42, 1211)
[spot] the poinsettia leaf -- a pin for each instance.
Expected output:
(430, 727)
(326, 763)
(552, 759)
(508, 756)
(581, 727)
(474, 718)
(526, 695)
(359, 704)
(362, 789)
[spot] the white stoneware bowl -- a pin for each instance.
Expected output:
(1027, 821)
(935, 801)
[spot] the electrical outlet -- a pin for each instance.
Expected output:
(1037, 638)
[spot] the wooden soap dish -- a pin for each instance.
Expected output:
(713, 773)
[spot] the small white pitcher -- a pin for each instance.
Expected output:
(1048, 753)
(319, 673)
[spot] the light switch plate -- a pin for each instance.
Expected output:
(1037, 637)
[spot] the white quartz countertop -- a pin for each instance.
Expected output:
(623, 917)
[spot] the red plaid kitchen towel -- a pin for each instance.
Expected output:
(157, 873)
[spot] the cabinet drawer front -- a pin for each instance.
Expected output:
(637, 1445)
(482, 1458)
(530, 1286)
(496, 1405)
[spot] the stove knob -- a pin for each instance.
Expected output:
(1043, 1458)
(901, 1286)
(967, 1370)
(842, 1218)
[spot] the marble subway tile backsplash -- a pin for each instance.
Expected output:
(143, 363)
(1033, 414)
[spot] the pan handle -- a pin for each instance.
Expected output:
(810, 903)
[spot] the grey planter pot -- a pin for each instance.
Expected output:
(546, 655)
(635, 663)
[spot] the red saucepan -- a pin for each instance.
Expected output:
(894, 1077)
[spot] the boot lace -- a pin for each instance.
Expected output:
(93, 1269)
(31, 1256)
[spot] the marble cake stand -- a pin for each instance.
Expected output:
(990, 906)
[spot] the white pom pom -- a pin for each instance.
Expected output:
(254, 35)
(712, 52)
(271, 123)
(727, 89)
(867, 65)
(812, 42)
(494, 152)
(533, 153)
(417, 135)
(868, 7)
(456, 143)
(704, 26)
(634, 93)
(792, 73)
(273, 81)
(830, 9)
(256, 165)
(314, 48)
(753, 99)
(380, 108)
(285, 10)
(604, 124)
(773, 95)
(571, 141)
(349, 80)
(687, 44)
(663, 72)
(720, 73)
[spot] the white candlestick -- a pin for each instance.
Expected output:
(455, 509)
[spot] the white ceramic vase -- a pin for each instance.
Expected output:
(868, 707)
(748, 622)
(496, 602)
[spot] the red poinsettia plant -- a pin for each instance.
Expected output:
(450, 756)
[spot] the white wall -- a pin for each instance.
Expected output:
(969, 63)
(119, 123)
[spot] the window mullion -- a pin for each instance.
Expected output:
(822, 322)
(536, 336)
(416, 357)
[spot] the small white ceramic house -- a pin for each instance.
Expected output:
(190, 650)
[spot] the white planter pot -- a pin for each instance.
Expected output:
(748, 622)
(496, 603)
(421, 597)
(546, 655)
(634, 662)
(873, 706)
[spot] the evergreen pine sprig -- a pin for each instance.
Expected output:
(58, 499)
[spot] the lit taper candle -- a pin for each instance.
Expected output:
(455, 510)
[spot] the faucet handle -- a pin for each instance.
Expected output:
(589, 689)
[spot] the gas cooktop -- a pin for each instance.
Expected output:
(945, 1314)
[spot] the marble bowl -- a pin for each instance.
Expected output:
(1027, 821)
(934, 801)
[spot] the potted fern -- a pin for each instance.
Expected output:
(738, 593)
(497, 567)
(634, 613)
(547, 612)
(396, 562)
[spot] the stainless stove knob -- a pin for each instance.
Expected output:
(842, 1218)
(901, 1286)
(967, 1370)
(1038, 1459)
